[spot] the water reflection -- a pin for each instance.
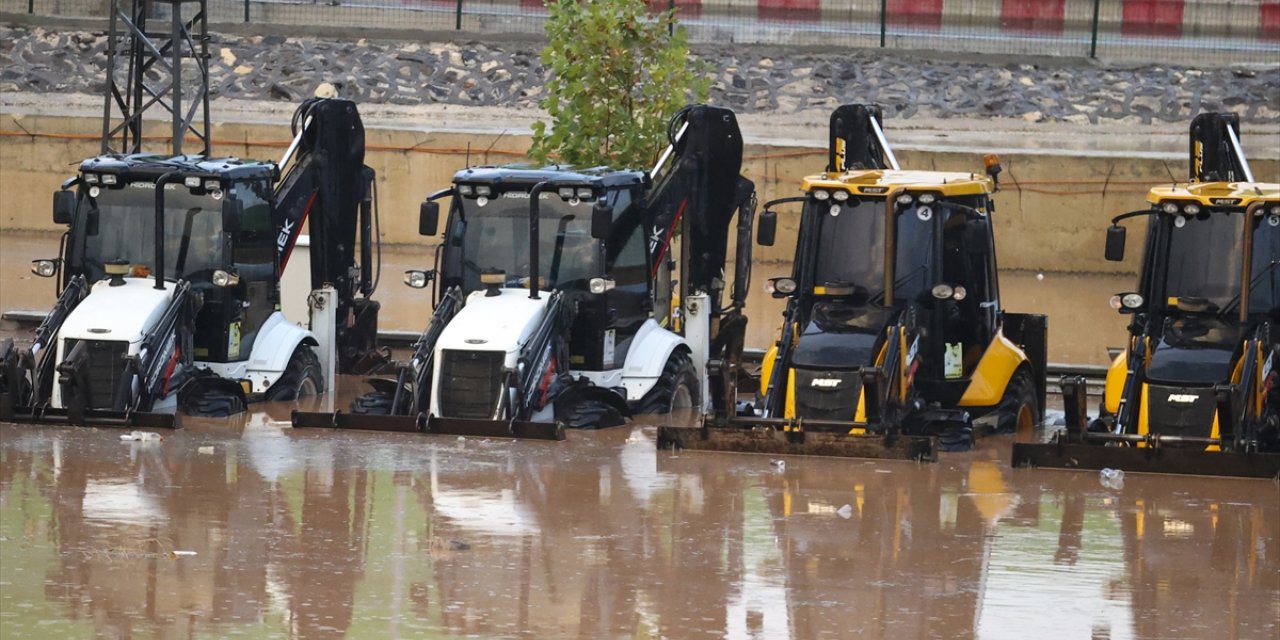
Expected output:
(321, 534)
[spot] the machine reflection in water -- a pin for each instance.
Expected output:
(326, 535)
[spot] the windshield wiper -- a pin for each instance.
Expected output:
(1235, 302)
(879, 297)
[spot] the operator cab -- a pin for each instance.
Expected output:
(877, 244)
(589, 242)
(1209, 275)
(218, 234)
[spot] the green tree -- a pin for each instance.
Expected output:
(617, 74)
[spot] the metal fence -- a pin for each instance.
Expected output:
(1172, 31)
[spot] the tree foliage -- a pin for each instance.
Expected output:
(617, 74)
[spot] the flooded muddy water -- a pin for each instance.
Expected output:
(255, 529)
(1081, 325)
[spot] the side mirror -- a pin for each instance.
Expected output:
(64, 206)
(232, 214)
(601, 220)
(1115, 243)
(428, 218)
(767, 228)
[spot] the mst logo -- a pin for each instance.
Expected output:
(1183, 398)
(1225, 202)
(825, 383)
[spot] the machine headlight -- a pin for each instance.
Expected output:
(1191, 209)
(585, 193)
(484, 190)
(91, 178)
(960, 294)
(191, 182)
(212, 185)
(781, 286)
(1129, 301)
(109, 178)
(225, 278)
(905, 199)
(942, 291)
(1275, 211)
(416, 278)
(840, 196)
(1169, 207)
(466, 190)
(928, 198)
(600, 285)
(819, 194)
(566, 192)
(44, 268)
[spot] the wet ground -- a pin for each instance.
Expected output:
(253, 529)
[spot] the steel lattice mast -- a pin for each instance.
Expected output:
(157, 58)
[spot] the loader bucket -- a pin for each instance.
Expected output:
(1190, 461)
(496, 428)
(772, 440)
(357, 421)
(522, 429)
(92, 418)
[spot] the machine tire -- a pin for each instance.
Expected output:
(374, 403)
(1019, 409)
(301, 377)
(954, 437)
(677, 388)
(212, 402)
(591, 414)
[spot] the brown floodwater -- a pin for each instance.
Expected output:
(253, 529)
(1081, 324)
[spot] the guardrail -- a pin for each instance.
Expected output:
(1199, 31)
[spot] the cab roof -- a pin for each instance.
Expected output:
(527, 175)
(153, 165)
(1217, 194)
(874, 182)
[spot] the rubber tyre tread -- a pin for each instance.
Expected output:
(374, 403)
(213, 403)
(679, 369)
(1020, 390)
(302, 365)
(955, 438)
(592, 414)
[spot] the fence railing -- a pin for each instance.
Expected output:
(1185, 31)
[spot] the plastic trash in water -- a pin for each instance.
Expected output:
(845, 512)
(1111, 478)
(179, 553)
(778, 465)
(140, 436)
(205, 451)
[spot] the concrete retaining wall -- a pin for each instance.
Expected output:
(1051, 213)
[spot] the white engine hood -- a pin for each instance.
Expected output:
(123, 313)
(494, 323)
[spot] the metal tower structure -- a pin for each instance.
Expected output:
(157, 59)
